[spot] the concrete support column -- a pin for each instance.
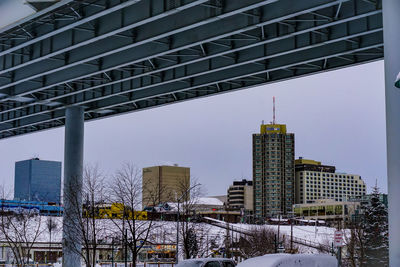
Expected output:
(73, 171)
(391, 31)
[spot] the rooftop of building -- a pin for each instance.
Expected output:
(273, 128)
(38, 159)
(243, 182)
(312, 165)
(223, 198)
(211, 201)
(301, 160)
(175, 165)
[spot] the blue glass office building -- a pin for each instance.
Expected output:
(37, 180)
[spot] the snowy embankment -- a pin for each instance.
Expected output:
(316, 235)
(165, 232)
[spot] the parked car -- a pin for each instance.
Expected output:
(207, 262)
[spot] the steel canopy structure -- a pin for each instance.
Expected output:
(81, 60)
(115, 56)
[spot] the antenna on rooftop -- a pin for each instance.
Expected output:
(273, 110)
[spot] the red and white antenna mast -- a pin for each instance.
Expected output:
(273, 111)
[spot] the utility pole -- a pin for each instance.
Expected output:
(279, 225)
(126, 248)
(291, 215)
(339, 249)
(112, 252)
(207, 251)
(177, 236)
(339, 256)
(291, 236)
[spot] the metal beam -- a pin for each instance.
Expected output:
(69, 26)
(209, 36)
(148, 34)
(91, 39)
(284, 61)
(284, 42)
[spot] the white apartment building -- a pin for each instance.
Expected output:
(315, 181)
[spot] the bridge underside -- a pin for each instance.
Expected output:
(116, 56)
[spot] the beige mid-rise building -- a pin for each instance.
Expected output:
(240, 195)
(164, 184)
(315, 181)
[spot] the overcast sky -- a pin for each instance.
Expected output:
(338, 118)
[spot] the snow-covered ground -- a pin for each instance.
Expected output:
(165, 233)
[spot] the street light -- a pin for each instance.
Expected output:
(397, 83)
(177, 221)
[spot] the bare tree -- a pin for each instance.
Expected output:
(126, 191)
(204, 240)
(193, 234)
(5, 192)
(20, 231)
(19, 228)
(260, 241)
(355, 244)
(51, 227)
(82, 217)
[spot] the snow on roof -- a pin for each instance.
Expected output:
(309, 221)
(209, 201)
(277, 220)
(291, 260)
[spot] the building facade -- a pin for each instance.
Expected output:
(273, 170)
(327, 209)
(36, 207)
(37, 180)
(365, 203)
(315, 181)
(365, 200)
(164, 184)
(240, 195)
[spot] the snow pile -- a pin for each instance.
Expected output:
(290, 260)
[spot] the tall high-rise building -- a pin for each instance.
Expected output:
(315, 181)
(164, 184)
(37, 180)
(273, 170)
